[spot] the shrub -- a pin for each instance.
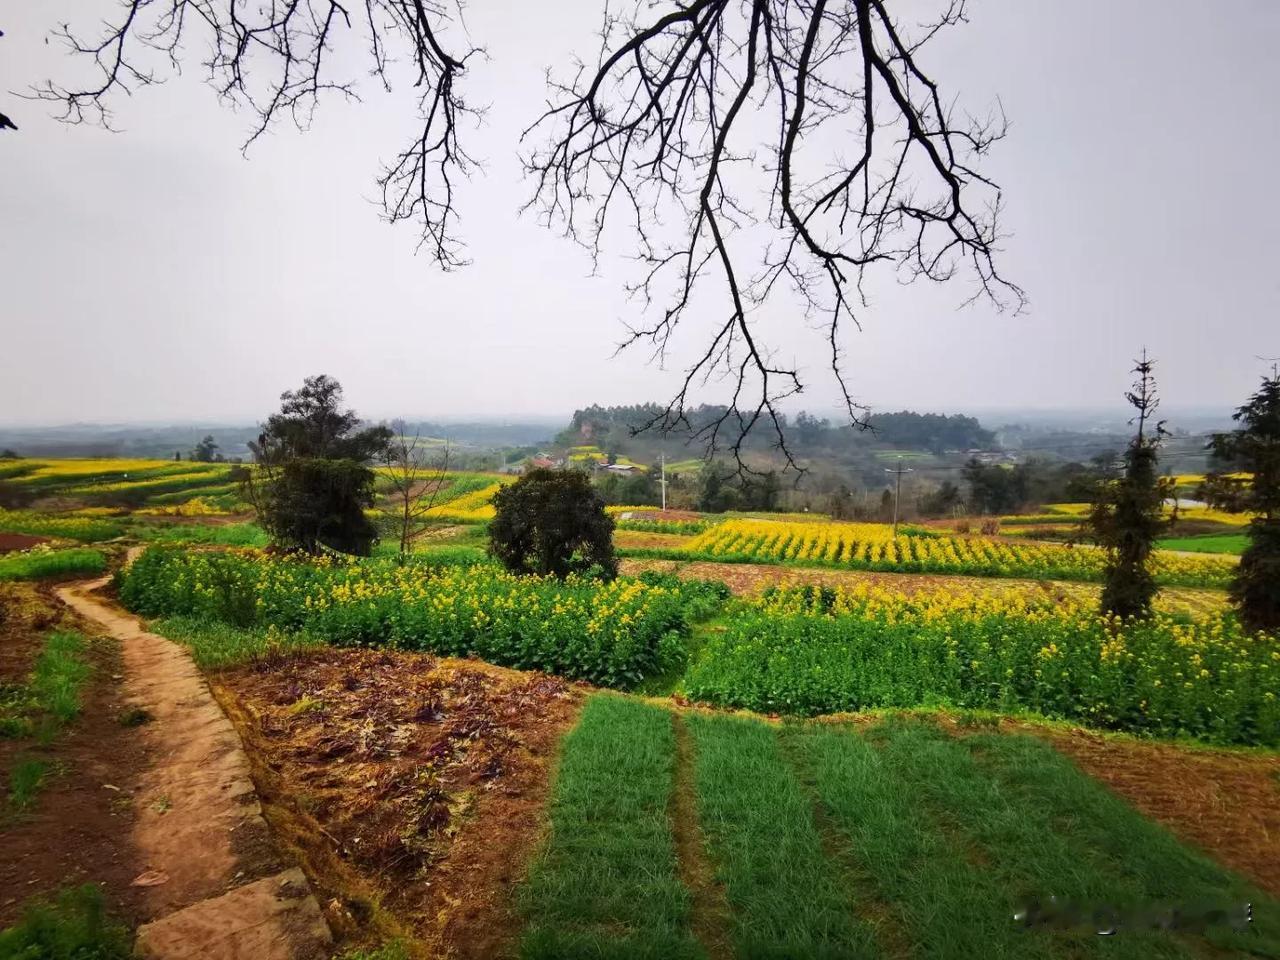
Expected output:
(552, 523)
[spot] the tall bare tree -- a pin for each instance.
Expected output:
(753, 144)
(275, 59)
(417, 480)
(742, 148)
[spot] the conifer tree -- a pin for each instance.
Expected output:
(1127, 514)
(1253, 485)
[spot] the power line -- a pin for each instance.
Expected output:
(897, 495)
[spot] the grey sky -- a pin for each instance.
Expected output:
(157, 274)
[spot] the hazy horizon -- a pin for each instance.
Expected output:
(157, 275)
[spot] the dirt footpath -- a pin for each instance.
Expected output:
(213, 884)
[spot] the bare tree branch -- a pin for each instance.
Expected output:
(275, 59)
(416, 482)
(666, 137)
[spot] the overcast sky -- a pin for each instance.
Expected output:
(157, 274)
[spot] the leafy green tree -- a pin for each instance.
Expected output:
(1127, 514)
(1254, 448)
(552, 522)
(762, 492)
(7, 454)
(941, 502)
(886, 506)
(715, 494)
(313, 481)
(313, 503)
(312, 424)
(206, 450)
(992, 488)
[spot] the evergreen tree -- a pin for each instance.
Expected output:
(1254, 449)
(1127, 514)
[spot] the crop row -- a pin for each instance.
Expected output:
(873, 547)
(86, 529)
(614, 634)
(810, 651)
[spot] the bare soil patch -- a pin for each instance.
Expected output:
(79, 827)
(412, 787)
(647, 539)
(19, 541)
(1225, 803)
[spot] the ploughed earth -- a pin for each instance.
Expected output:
(412, 788)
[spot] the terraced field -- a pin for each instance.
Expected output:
(870, 546)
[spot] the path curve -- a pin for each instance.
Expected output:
(224, 892)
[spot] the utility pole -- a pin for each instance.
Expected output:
(662, 457)
(897, 493)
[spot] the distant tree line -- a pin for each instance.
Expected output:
(615, 428)
(995, 489)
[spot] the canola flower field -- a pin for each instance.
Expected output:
(798, 651)
(87, 529)
(467, 499)
(872, 546)
(614, 634)
(813, 651)
(123, 481)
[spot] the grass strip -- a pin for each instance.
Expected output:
(1033, 849)
(35, 564)
(1146, 854)
(49, 701)
(947, 906)
(786, 896)
(1209, 543)
(606, 884)
(223, 535)
(59, 674)
(215, 645)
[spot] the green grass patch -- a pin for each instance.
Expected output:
(606, 885)
(215, 645)
(1213, 543)
(74, 926)
(26, 775)
(38, 564)
(1140, 857)
(50, 698)
(59, 674)
(17, 704)
(1045, 829)
(945, 905)
(85, 529)
(788, 899)
(222, 535)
